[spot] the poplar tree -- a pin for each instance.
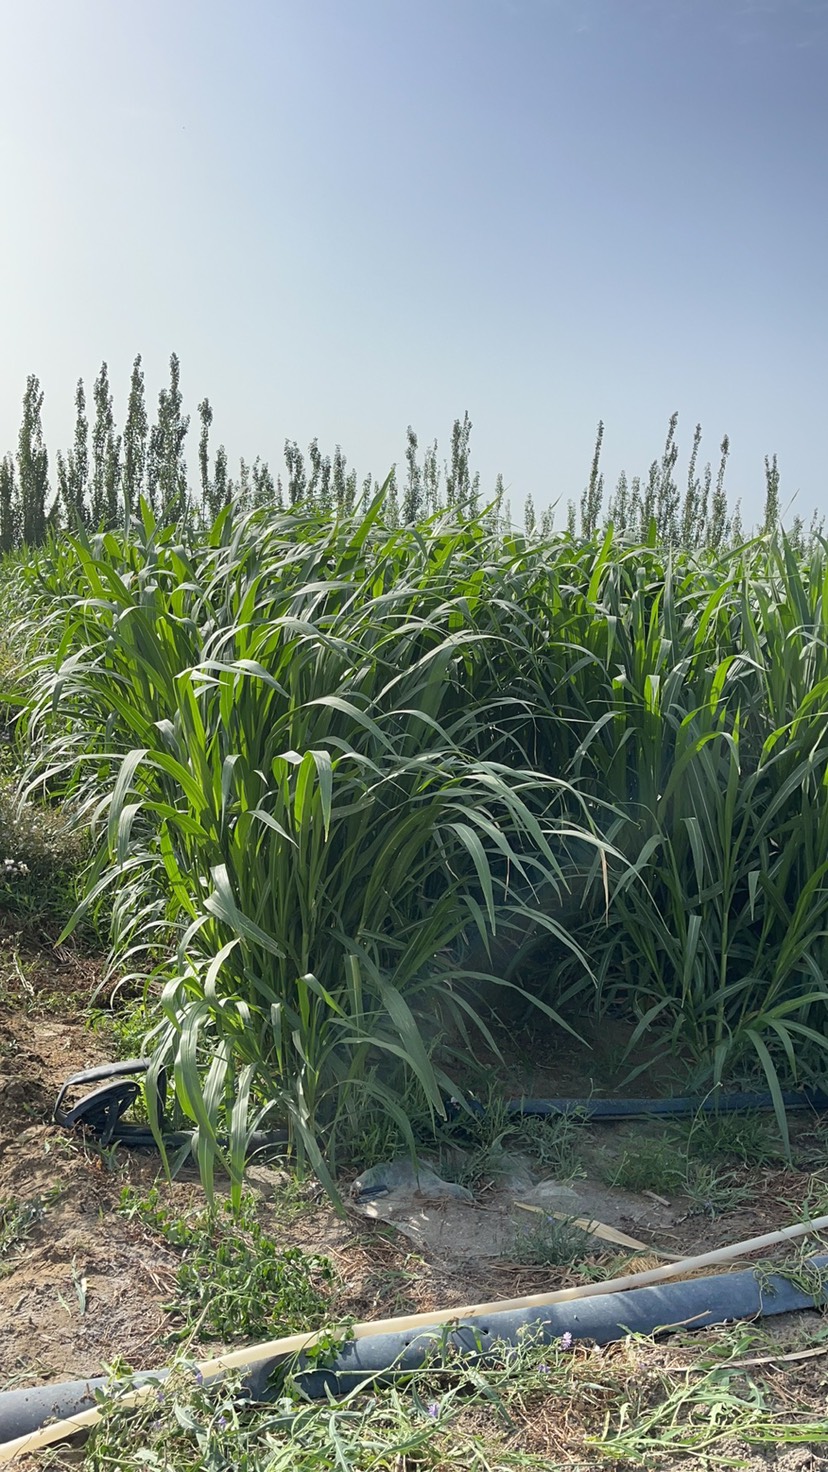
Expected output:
(594, 493)
(497, 507)
(32, 466)
(431, 480)
(458, 477)
(205, 414)
(693, 516)
(413, 499)
(315, 462)
(718, 529)
(635, 515)
(221, 485)
(618, 510)
(392, 501)
(735, 530)
(771, 518)
(667, 494)
(297, 480)
(135, 439)
(73, 472)
(339, 481)
(649, 502)
(318, 489)
(705, 498)
(10, 518)
(242, 494)
(264, 489)
(166, 468)
(350, 491)
(324, 495)
(106, 456)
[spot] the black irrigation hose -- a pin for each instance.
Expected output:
(714, 1103)
(103, 1109)
(695, 1304)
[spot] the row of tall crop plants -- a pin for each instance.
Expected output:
(352, 782)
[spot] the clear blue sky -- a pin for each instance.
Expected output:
(350, 215)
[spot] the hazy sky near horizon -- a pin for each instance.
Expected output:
(346, 216)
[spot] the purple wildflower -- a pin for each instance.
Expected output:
(566, 1340)
(433, 1409)
(543, 1369)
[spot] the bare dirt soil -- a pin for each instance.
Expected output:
(85, 1285)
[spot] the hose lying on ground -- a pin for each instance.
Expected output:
(630, 1304)
(713, 1103)
(102, 1110)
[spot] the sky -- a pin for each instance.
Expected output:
(347, 216)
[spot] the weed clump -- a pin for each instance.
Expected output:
(17, 1218)
(42, 853)
(233, 1280)
(552, 1242)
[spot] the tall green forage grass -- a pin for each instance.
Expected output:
(316, 792)
(710, 733)
(331, 761)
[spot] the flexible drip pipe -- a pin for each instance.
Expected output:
(714, 1103)
(404, 1336)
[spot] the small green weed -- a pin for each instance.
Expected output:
(619, 1402)
(391, 1286)
(553, 1141)
(370, 1137)
(748, 1138)
(600, 1269)
(476, 1146)
(698, 1415)
(712, 1190)
(664, 1166)
(233, 1280)
(652, 1165)
(470, 1147)
(16, 1221)
(800, 1269)
(814, 1200)
(126, 1024)
(551, 1242)
(186, 1425)
(29, 986)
